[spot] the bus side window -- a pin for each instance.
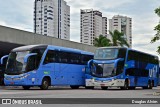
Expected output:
(50, 57)
(75, 58)
(122, 53)
(63, 57)
(38, 57)
(31, 63)
(86, 58)
(120, 66)
(131, 71)
(132, 55)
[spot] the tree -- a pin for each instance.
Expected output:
(118, 38)
(157, 29)
(102, 41)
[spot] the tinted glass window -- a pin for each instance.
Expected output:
(50, 57)
(75, 58)
(38, 56)
(64, 57)
(130, 71)
(137, 72)
(132, 55)
(120, 66)
(86, 58)
(122, 53)
(106, 53)
(31, 63)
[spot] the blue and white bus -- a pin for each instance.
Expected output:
(122, 67)
(46, 65)
(3, 61)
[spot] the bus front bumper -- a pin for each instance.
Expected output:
(107, 83)
(14, 82)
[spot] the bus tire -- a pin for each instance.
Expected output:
(26, 87)
(45, 84)
(89, 87)
(126, 85)
(74, 87)
(150, 85)
(104, 87)
(1, 82)
(132, 88)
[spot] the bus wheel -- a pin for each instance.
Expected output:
(26, 87)
(132, 88)
(45, 84)
(150, 85)
(104, 88)
(74, 87)
(125, 87)
(89, 87)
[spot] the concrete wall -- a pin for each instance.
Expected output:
(10, 35)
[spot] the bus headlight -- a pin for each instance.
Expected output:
(24, 76)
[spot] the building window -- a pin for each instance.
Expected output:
(50, 11)
(50, 18)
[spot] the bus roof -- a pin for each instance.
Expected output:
(69, 49)
(52, 47)
(28, 47)
(111, 47)
(142, 52)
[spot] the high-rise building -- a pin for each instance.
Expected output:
(104, 26)
(92, 25)
(122, 24)
(52, 18)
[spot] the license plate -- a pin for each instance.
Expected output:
(102, 84)
(12, 83)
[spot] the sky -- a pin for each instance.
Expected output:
(19, 14)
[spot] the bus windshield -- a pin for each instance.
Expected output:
(103, 70)
(15, 63)
(106, 53)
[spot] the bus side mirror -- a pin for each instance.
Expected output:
(121, 59)
(29, 55)
(2, 59)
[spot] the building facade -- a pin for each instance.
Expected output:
(52, 18)
(122, 24)
(92, 25)
(104, 26)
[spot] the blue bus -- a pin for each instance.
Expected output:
(122, 67)
(3, 61)
(46, 65)
(159, 75)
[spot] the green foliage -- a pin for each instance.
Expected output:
(118, 38)
(157, 11)
(102, 41)
(157, 29)
(158, 49)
